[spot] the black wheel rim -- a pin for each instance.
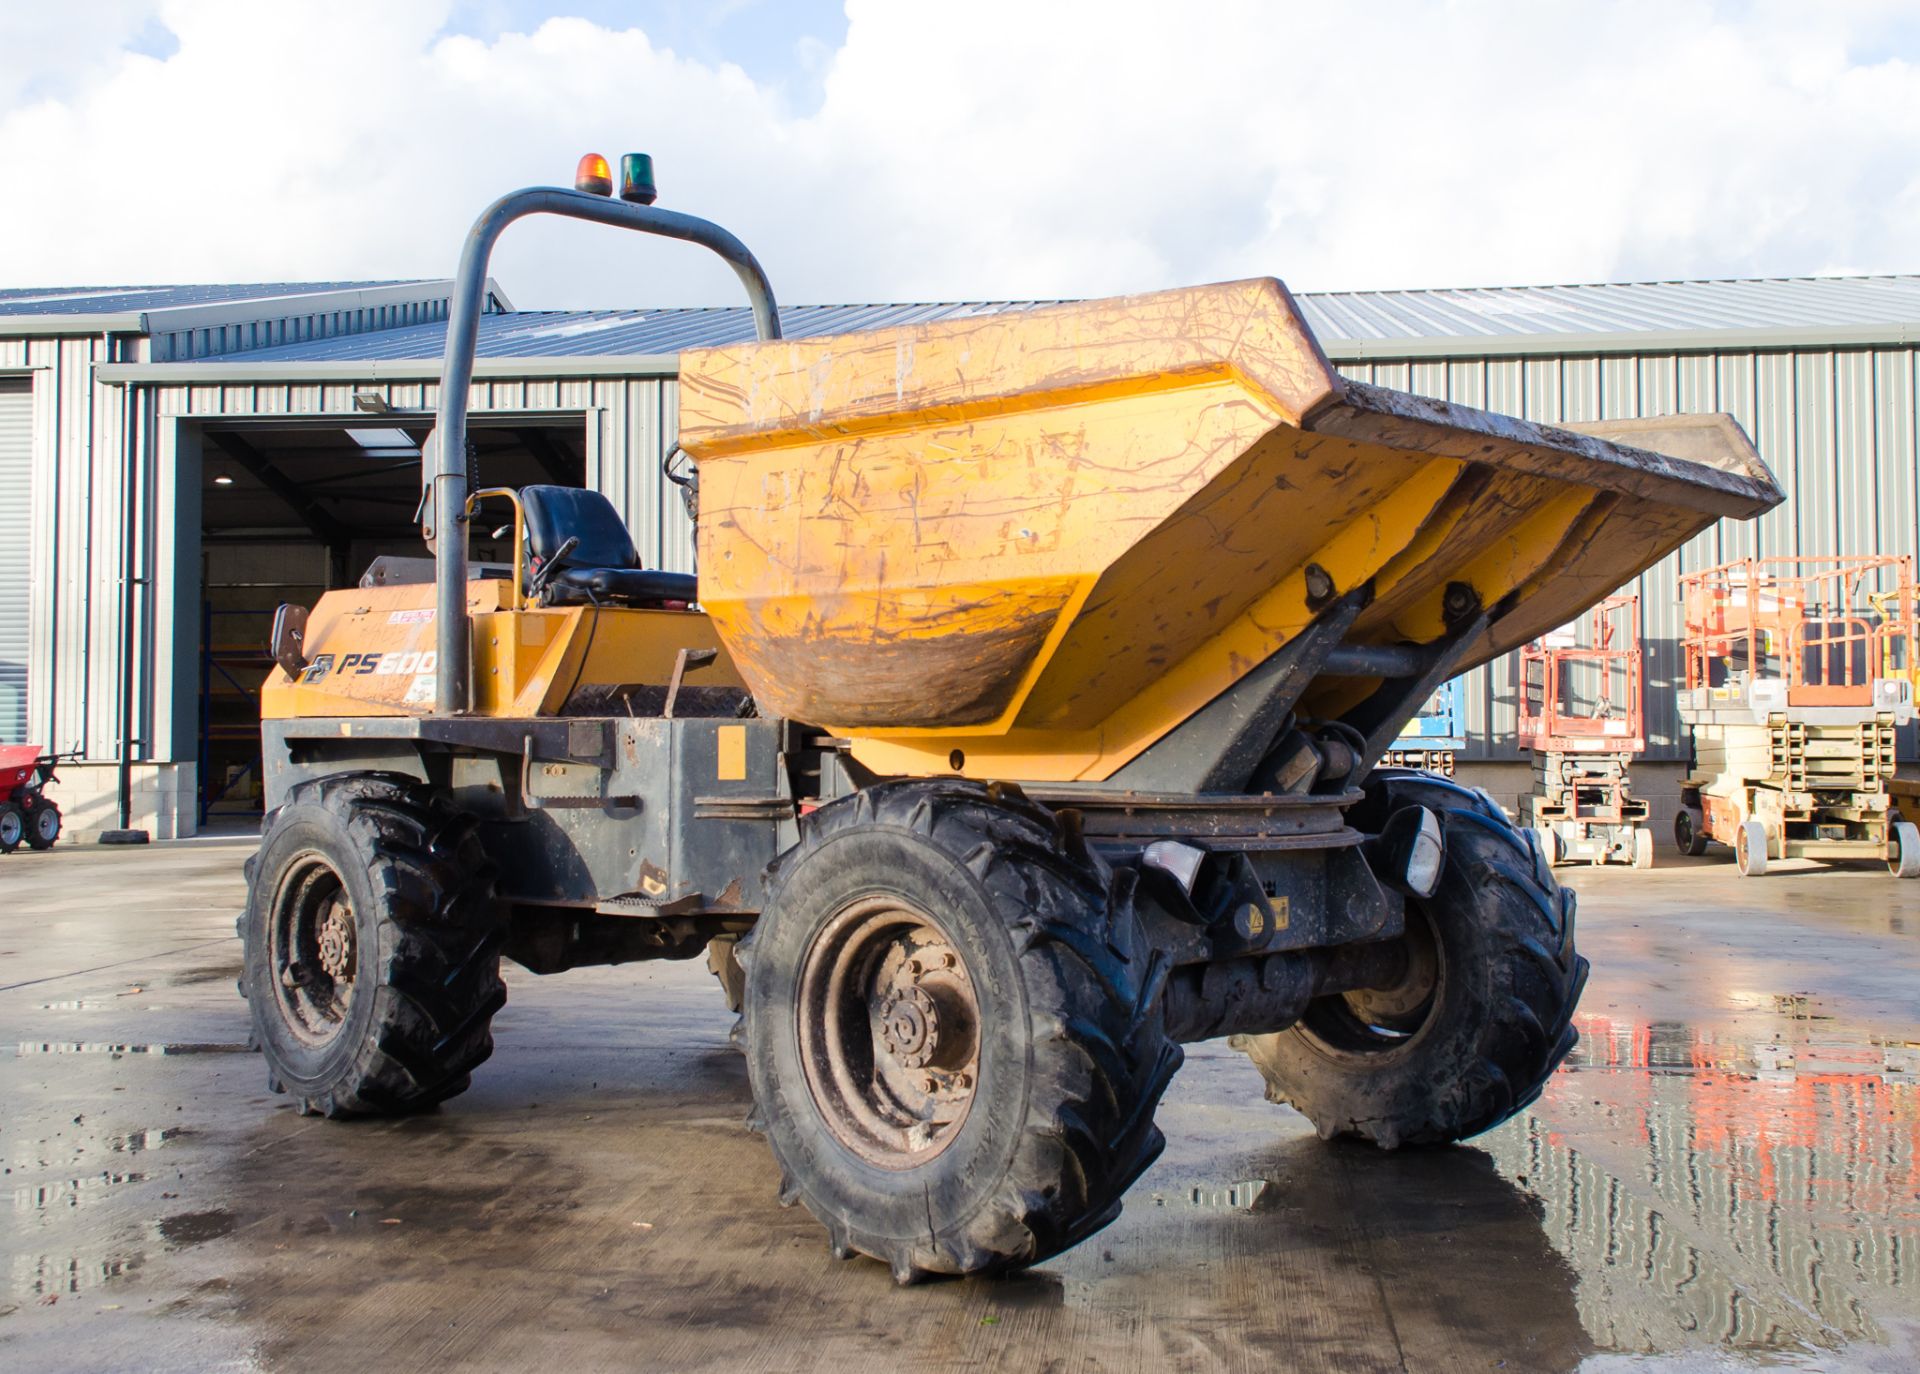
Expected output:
(1376, 1022)
(313, 949)
(889, 1029)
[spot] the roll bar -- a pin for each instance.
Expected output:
(444, 483)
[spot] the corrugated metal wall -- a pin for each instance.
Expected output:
(75, 545)
(16, 538)
(1836, 427)
(76, 548)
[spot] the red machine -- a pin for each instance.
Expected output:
(26, 811)
(1799, 673)
(1582, 716)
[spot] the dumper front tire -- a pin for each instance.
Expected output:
(372, 947)
(1486, 1013)
(952, 1029)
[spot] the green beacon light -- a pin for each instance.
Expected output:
(636, 178)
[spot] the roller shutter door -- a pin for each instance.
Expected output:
(16, 472)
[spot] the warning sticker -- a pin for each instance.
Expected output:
(422, 616)
(420, 690)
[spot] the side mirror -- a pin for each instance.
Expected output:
(288, 641)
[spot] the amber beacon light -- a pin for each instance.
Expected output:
(593, 176)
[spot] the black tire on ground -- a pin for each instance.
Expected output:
(43, 824)
(1486, 1015)
(1690, 831)
(1054, 988)
(13, 826)
(372, 947)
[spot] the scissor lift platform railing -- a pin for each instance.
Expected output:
(1582, 716)
(1798, 673)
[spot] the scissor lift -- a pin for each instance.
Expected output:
(1583, 718)
(1434, 737)
(1798, 673)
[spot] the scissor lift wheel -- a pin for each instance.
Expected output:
(1750, 849)
(1904, 861)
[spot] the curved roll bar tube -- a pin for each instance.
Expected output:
(446, 482)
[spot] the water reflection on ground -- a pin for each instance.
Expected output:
(1712, 1190)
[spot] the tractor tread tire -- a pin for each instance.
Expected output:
(435, 966)
(1487, 1051)
(1097, 1046)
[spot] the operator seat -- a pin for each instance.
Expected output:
(604, 567)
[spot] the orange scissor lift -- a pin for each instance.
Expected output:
(1798, 673)
(1582, 716)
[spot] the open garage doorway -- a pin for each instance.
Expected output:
(290, 510)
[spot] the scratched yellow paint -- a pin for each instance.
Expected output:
(1038, 541)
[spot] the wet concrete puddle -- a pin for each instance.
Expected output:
(1725, 1175)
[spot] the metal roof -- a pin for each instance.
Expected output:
(1631, 307)
(625, 333)
(1671, 316)
(118, 300)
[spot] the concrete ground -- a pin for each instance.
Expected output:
(1727, 1175)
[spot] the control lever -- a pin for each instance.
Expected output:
(547, 569)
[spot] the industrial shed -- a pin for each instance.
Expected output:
(266, 440)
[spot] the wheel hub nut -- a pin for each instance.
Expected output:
(336, 943)
(910, 1027)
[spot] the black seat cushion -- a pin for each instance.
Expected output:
(555, 514)
(636, 586)
(603, 567)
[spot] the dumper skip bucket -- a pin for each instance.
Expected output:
(1030, 544)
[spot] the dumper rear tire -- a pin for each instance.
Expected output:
(952, 1029)
(1486, 1016)
(372, 947)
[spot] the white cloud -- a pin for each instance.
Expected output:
(986, 150)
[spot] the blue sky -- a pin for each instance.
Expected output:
(782, 43)
(890, 150)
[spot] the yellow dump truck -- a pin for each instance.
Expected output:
(1021, 725)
